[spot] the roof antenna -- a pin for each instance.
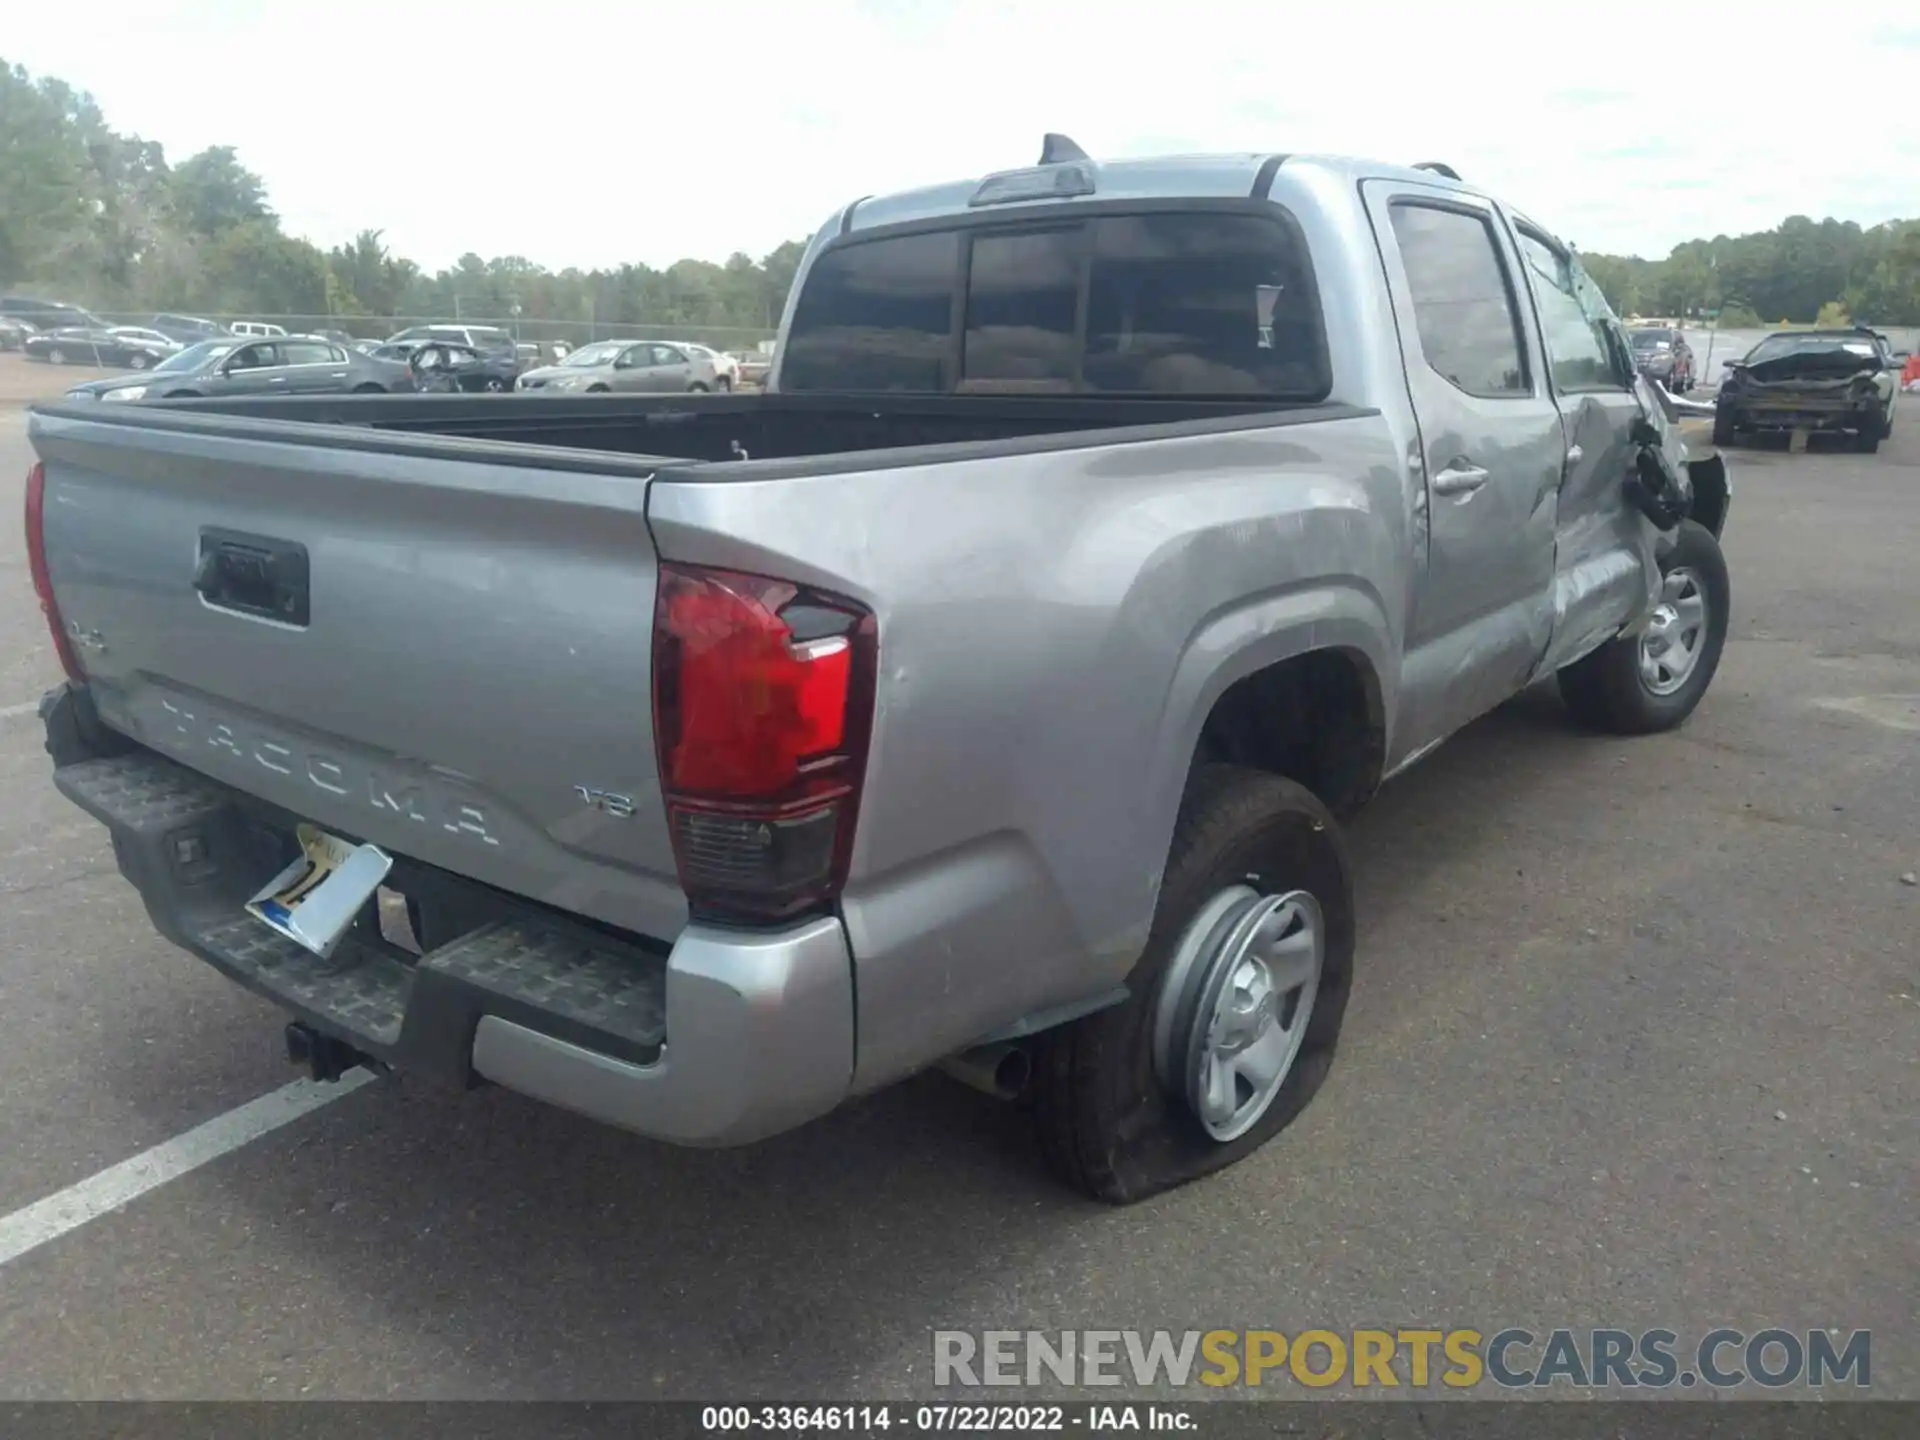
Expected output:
(1437, 168)
(1057, 148)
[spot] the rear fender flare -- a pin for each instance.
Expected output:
(1228, 647)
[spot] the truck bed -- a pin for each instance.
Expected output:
(711, 428)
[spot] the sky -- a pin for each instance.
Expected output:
(599, 132)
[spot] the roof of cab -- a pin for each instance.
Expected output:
(1219, 176)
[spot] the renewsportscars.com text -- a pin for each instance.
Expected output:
(1511, 1358)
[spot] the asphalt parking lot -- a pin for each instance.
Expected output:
(1635, 1041)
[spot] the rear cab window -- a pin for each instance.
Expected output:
(1160, 302)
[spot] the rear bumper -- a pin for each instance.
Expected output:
(723, 1038)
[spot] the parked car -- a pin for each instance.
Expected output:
(187, 329)
(477, 337)
(238, 366)
(726, 369)
(257, 328)
(14, 332)
(103, 346)
(159, 341)
(49, 314)
(441, 365)
(1093, 558)
(634, 366)
(1826, 380)
(1663, 355)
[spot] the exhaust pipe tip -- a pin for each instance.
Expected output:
(1001, 1071)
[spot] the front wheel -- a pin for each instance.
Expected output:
(696, 388)
(1234, 1008)
(369, 389)
(1651, 681)
(1725, 428)
(1874, 428)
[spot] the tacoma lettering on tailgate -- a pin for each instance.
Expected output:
(358, 781)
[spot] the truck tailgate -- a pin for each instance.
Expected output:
(426, 651)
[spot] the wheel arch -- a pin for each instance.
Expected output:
(1298, 684)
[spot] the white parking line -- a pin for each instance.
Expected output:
(16, 712)
(126, 1182)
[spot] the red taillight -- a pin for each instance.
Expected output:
(762, 706)
(37, 567)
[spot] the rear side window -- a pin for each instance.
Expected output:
(1462, 301)
(1193, 303)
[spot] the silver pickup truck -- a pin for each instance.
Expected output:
(986, 694)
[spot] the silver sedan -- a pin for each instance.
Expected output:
(633, 366)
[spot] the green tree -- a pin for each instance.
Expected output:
(214, 193)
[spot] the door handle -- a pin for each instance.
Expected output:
(1459, 479)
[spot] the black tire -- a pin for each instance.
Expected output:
(369, 389)
(138, 362)
(696, 388)
(56, 356)
(1867, 442)
(1107, 1126)
(1726, 426)
(1606, 689)
(494, 385)
(598, 390)
(1874, 427)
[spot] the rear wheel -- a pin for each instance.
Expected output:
(138, 362)
(1651, 681)
(369, 389)
(696, 388)
(598, 390)
(1235, 1005)
(57, 356)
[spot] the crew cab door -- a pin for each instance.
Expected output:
(1491, 453)
(1605, 571)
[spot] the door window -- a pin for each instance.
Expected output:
(1463, 303)
(1575, 338)
(307, 352)
(256, 357)
(667, 355)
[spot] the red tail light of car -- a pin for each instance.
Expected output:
(763, 697)
(42, 579)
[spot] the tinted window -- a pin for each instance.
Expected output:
(1462, 303)
(306, 352)
(1576, 350)
(876, 315)
(255, 357)
(1191, 304)
(1023, 292)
